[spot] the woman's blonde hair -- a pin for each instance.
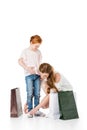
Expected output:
(47, 68)
(35, 39)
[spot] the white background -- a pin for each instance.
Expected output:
(63, 27)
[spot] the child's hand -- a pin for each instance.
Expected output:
(31, 70)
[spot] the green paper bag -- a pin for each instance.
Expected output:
(67, 105)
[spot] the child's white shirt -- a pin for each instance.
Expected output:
(31, 58)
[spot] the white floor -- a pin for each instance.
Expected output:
(40, 123)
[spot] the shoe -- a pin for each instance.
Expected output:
(29, 115)
(39, 113)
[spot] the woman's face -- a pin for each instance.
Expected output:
(44, 75)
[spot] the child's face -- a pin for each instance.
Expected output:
(35, 46)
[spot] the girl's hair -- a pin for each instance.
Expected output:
(35, 39)
(47, 68)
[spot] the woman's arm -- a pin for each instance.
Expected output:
(44, 86)
(43, 103)
(57, 77)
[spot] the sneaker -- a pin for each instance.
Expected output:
(29, 115)
(39, 113)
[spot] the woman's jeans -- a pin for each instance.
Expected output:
(33, 89)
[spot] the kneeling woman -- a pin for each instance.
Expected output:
(52, 83)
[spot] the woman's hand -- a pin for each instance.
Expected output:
(53, 90)
(25, 108)
(33, 111)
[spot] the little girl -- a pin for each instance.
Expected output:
(30, 60)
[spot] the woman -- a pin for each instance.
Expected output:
(52, 83)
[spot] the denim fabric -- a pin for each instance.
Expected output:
(33, 90)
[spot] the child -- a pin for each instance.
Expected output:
(30, 60)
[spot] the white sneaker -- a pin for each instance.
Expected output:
(39, 113)
(29, 115)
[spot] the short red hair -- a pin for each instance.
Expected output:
(35, 39)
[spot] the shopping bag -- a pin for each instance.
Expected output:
(67, 105)
(15, 103)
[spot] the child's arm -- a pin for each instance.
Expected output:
(21, 63)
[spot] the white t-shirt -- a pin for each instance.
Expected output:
(31, 58)
(63, 84)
